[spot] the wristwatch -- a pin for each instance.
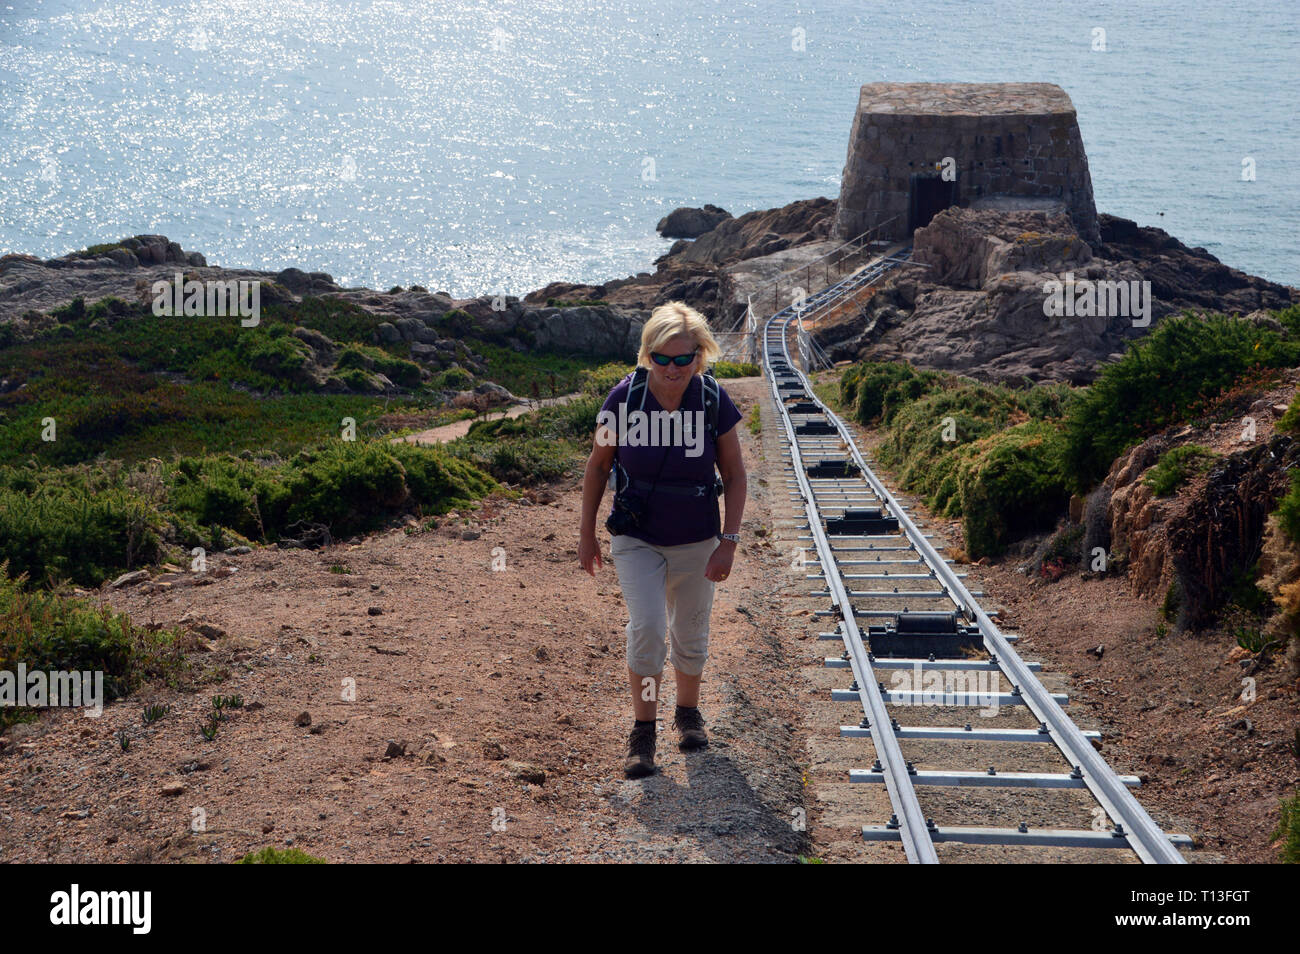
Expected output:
(733, 537)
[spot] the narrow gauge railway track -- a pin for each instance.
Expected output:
(916, 614)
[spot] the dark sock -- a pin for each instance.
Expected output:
(681, 709)
(648, 724)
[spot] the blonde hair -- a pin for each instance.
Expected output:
(675, 318)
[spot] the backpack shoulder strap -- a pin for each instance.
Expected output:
(636, 390)
(712, 402)
(635, 401)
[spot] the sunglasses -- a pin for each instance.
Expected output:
(681, 360)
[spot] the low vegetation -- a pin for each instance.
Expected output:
(50, 632)
(1171, 376)
(280, 856)
(1175, 466)
(1288, 830)
(985, 453)
(1006, 460)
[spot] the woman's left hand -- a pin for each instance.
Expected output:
(719, 567)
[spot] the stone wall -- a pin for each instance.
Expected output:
(1005, 139)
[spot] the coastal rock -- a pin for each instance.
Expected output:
(966, 248)
(974, 302)
(760, 233)
(318, 342)
(600, 331)
(484, 397)
(688, 223)
(1188, 278)
(305, 283)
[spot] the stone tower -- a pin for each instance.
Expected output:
(917, 148)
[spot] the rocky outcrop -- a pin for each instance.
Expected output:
(123, 269)
(759, 233)
(1220, 534)
(418, 318)
(549, 317)
(695, 271)
(976, 301)
(1130, 524)
(686, 223)
(1188, 549)
(1188, 278)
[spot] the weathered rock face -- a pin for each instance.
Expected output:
(977, 306)
(125, 270)
(1197, 541)
(1188, 278)
(1220, 533)
(606, 331)
(1133, 521)
(976, 302)
(686, 223)
(1003, 139)
(965, 248)
(759, 233)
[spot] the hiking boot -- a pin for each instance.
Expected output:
(690, 724)
(640, 753)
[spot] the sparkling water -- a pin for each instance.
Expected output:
(476, 148)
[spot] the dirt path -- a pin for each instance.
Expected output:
(449, 432)
(500, 694)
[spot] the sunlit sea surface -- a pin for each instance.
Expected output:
(498, 147)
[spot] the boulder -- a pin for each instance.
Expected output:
(687, 223)
(601, 331)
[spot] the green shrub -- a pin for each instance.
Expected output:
(367, 358)
(1288, 509)
(1011, 484)
(1163, 379)
(280, 856)
(600, 381)
(526, 460)
(350, 486)
(877, 390)
(457, 323)
(280, 356)
(453, 379)
(335, 318)
(78, 525)
(518, 372)
(733, 369)
(1175, 466)
(50, 632)
(986, 453)
(1288, 829)
(916, 447)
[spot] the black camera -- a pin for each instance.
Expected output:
(626, 513)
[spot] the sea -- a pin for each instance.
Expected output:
(482, 148)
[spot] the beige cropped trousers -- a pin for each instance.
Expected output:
(666, 592)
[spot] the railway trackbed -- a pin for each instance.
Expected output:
(927, 664)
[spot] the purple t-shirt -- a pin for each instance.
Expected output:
(673, 519)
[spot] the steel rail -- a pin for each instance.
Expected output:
(912, 828)
(1134, 825)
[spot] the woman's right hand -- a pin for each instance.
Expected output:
(589, 552)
